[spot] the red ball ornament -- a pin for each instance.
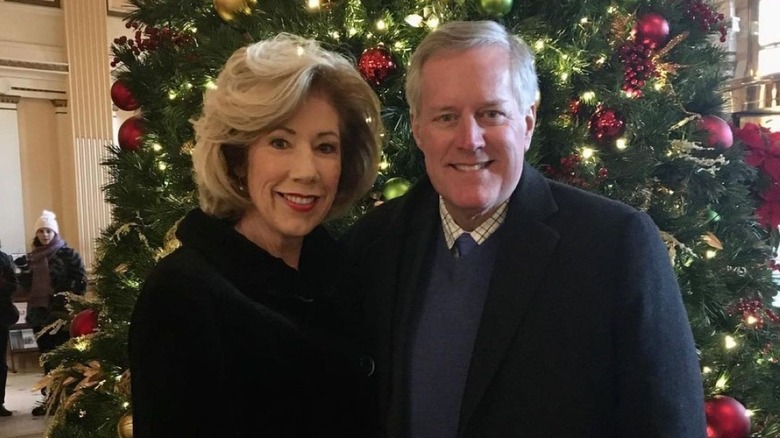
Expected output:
(718, 132)
(131, 133)
(726, 418)
(84, 323)
(605, 125)
(651, 30)
(123, 97)
(375, 65)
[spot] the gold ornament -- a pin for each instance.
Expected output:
(124, 427)
(187, 147)
(671, 245)
(712, 240)
(620, 28)
(170, 243)
(228, 9)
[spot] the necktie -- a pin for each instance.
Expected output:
(463, 244)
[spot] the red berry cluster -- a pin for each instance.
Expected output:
(148, 38)
(707, 19)
(753, 307)
(638, 67)
(567, 172)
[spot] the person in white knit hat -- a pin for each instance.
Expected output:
(50, 268)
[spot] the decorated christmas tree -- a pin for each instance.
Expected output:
(629, 107)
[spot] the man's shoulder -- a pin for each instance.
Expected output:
(374, 224)
(392, 215)
(582, 201)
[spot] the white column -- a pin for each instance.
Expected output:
(90, 112)
(12, 233)
(66, 184)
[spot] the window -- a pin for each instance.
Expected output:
(768, 37)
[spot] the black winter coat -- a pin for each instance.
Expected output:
(583, 332)
(8, 313)
(228, 341)
(67, 273)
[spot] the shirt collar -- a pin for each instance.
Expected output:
(480, 234)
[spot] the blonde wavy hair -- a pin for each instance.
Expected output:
(262, 86)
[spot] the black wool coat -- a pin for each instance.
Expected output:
(228, 341)
(583, 333)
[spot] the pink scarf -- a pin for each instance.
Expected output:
(41, 290)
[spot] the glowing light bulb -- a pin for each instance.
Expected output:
(414, 20)
(722, 382)
(711, 253)
(751, 320)
(433, 22)
(588, 96)
(539, 45)
(381, 25)
(729, 342)
(384, 165)
(587, 153)
(313, 4)
(162, 166)
(706, 370)
(621, 144)
(564, 76)
(584, 20)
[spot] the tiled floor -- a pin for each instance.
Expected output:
(21, 399)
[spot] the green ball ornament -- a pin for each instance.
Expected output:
(713, 215)
(395, 187)
(496, 8)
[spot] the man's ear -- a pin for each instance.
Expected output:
(530, 124)
(415, 129)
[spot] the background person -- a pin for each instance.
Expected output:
(9, 315)
(50, 268)
(235, 333)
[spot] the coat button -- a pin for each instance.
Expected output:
(367, 364)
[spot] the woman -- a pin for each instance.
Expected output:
(50, 268)
(236, 333)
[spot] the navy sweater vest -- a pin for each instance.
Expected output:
(445, 326)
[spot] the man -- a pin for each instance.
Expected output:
(564, 320)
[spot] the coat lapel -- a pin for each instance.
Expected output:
(413, 240)
(525, 248)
